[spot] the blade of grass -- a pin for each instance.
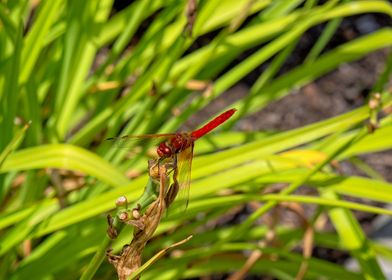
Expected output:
(34, 40)
(353, 238)
(14, 144)
(65, 156)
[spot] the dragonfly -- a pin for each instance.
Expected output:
(179, 147)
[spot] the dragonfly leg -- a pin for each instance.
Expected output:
(173, 164)
(155, 164)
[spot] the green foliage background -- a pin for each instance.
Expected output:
(67, 67)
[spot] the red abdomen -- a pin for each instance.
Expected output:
(213, 124)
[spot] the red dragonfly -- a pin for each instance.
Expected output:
(179, 146)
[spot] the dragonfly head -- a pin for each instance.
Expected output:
(164, 150)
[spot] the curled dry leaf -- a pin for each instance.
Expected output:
(130, 259)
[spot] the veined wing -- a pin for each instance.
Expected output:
(184, 165)
(130, 141)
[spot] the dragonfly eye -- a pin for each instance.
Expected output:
(164, 150)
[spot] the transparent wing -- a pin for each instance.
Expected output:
(131, 141)
(184, 165)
